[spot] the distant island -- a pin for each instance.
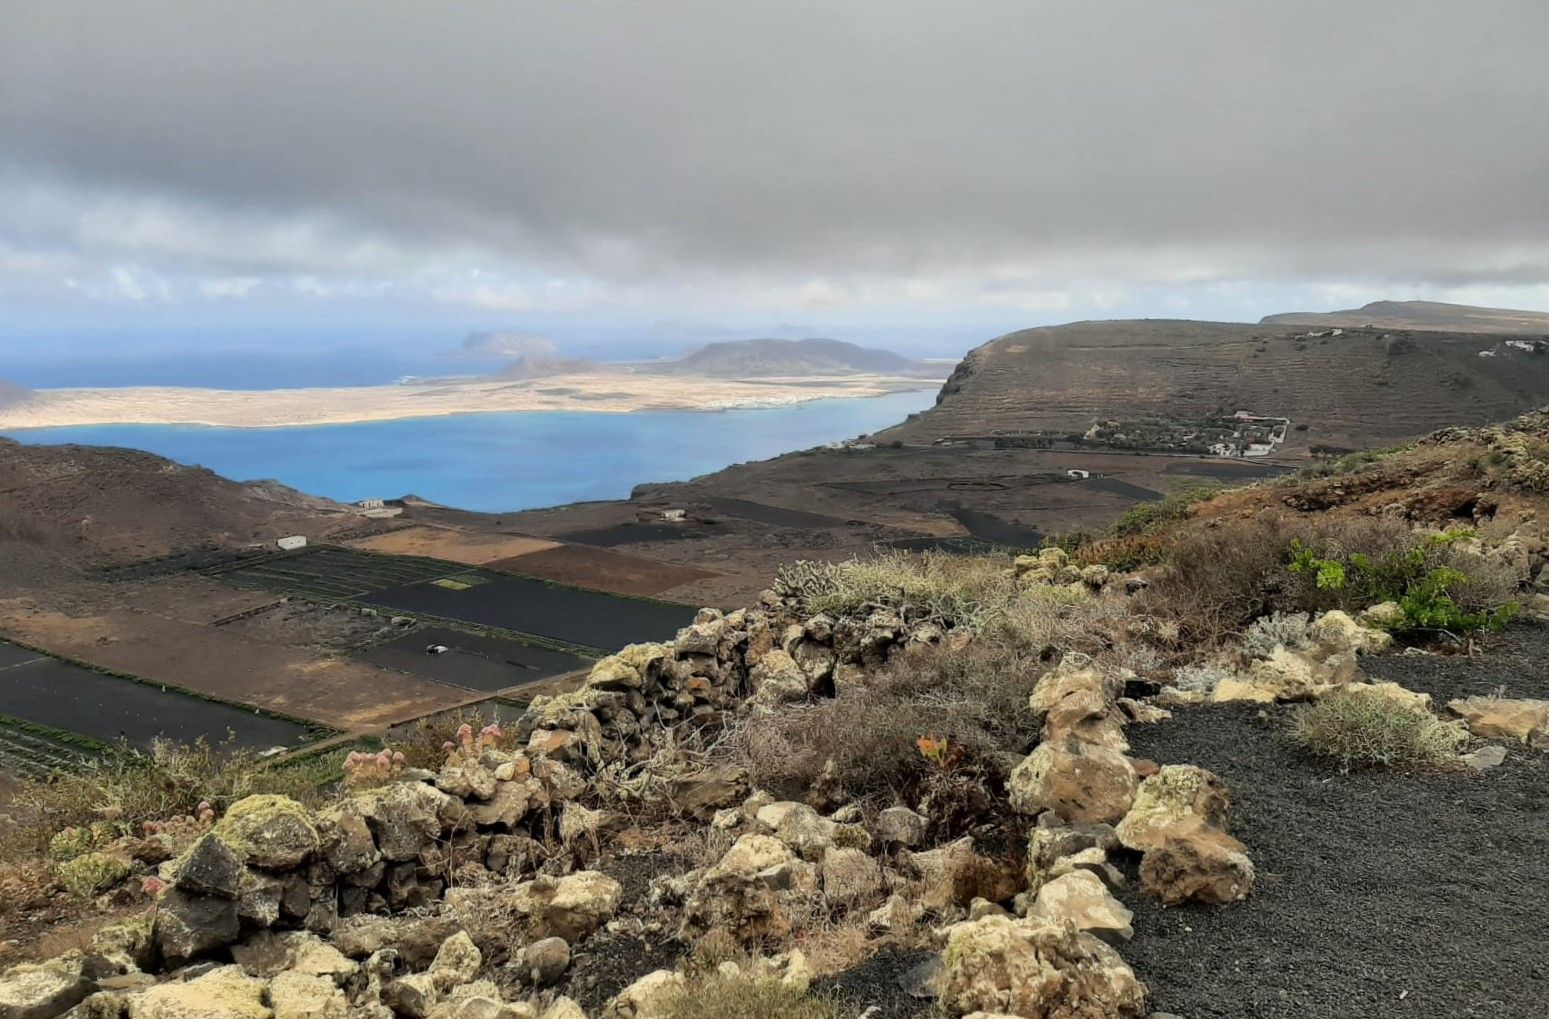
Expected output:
(720, 376)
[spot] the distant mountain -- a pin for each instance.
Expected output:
(1430, 315)
(11, 393)
(540, 366)
(505, 344)
(781, 358)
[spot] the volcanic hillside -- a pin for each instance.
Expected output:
(1361, 388)
(110, 505)
(1458, 318)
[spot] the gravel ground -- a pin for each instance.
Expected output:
(1379, 894)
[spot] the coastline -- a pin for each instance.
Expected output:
(605, 392)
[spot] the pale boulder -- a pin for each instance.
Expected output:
(1177, 795)
(650, 997)
(1080, 782)
(1081, 898)
(1198, 864)
(1500, 718)
(1036, 969)
(223, 993)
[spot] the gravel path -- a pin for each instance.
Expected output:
(1380, 894)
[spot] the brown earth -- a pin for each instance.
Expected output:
(229, 666)
(458, 546)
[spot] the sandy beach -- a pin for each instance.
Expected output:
(613, 392)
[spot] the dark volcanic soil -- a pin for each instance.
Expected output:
(1379, 894)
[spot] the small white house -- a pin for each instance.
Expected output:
(292, 542)
(370, 504)
(674, 514)
(1078, 474)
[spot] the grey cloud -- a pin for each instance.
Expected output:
(797, 140)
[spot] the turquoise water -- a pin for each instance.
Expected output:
(498, 462)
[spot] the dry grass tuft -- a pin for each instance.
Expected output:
(714, 996)
(1361, 728)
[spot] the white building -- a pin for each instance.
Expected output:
(292, 542)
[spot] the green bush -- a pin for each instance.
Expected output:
(1359, 728)
(1419, 577)
(1150, 517)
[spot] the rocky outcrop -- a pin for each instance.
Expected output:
(1036, 969)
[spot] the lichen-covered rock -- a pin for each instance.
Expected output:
(296, 995)
(1411, 699)
(403, 817)
(1076, 701)
(798, 826)
(43, 990)
(209, 867)
(650, 997)
(345, 843)
(1178, 794)
(469, 780)
(457, 962)
(634, 665)
(188, 926)
(776, 680)
(900, 826)
(1080, 782)
(1049, 843)
(1036, 969)
(1335, 632)
(273, 832)
(570, 907)
(222, 993)
(748, 890)
(1082, 899)
(1198, 864)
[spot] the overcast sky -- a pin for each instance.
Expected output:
(813, 163)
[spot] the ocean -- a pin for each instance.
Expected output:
(502, 462)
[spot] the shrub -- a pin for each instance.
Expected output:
(1219, 581)
(1202, 678)
(119, 793)
(1359, 727)
(87, 875)
(714, 996)
(1150, 517)
(974, 699)
(1423, 577)
(952, 591)
(1278, 629)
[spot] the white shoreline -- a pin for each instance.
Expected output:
(602, 392)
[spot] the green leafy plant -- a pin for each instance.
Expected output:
(1423, 587)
